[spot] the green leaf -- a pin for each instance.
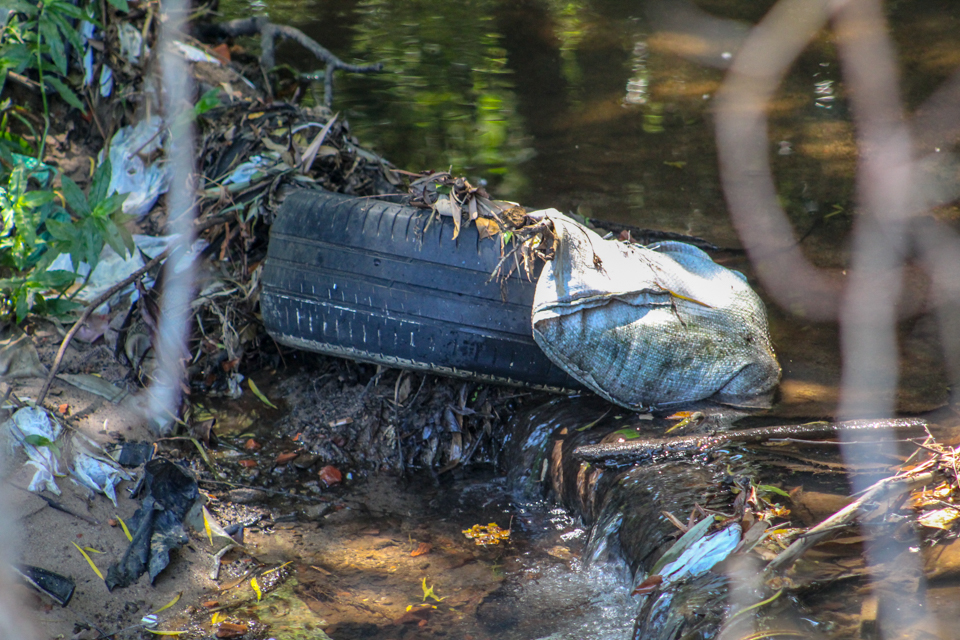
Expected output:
(259, 394)
(112, 238)
(769, 488)
(22, 304)
(61, 307)
(209, 100)
(62, 231)
(101, 183)
(38, 440)
(36, 199)
(55, 279)
(76, 201)
(106, 208)
(65, 92)
(51, 38)
(127, 238)
(22, 6)
(120, 5)
(627, 434)
(71, 34)
(65, 9)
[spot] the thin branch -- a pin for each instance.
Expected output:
(888, 486)
(617, 454)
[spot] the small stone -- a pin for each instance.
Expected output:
(246, 496)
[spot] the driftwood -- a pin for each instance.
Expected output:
(617, 454)
(269, 33)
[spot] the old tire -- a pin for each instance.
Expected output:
(372, 281)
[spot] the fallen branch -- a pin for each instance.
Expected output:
(617, 454)
(886, 487)
(269, 33)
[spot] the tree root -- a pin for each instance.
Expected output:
(269, 33)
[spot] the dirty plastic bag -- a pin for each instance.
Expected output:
(651, 326)
(143, 183)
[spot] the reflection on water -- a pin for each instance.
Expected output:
(600, 107)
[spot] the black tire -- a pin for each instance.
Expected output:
(370, 280)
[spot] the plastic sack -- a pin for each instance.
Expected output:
(652, 326)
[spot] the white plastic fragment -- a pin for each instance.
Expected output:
(247, 170)
(702, 555)
(142, 183)
(651, 326)
(131, 43)
(31, 421)
(86, 33)
(112, 268)
(194, 54)
(106, 81)
(94, 470)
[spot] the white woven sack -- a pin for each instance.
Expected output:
(652, 326)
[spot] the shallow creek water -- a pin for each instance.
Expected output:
(588, 107)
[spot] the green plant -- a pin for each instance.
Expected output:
(35, 33)
(36, 228)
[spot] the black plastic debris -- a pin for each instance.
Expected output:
(169, 493)
(134, 454)
(59, 588)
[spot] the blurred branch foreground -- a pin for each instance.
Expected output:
(897, 156)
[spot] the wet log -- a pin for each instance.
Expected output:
(634, 451)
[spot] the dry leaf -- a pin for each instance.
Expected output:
(330, 475)
(422, 549)
(648, 586)
(286, 457)
(487, 228)
(939, 519)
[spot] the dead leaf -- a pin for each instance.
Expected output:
(18, 355)
(487, 228)
(422, 549)
(330, 475)
(939, 519)
(251, 445)
(311, 151)
(648, 586)
(286, 457)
